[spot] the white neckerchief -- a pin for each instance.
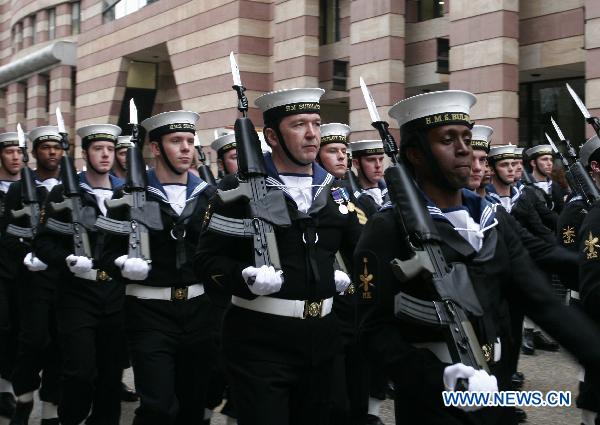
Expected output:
(177, 196)
(4, 184)
(102, 194)
(375, 193)
(506, 202)
(467, 227)
(49, 183)
(546, 186)
(300, 189)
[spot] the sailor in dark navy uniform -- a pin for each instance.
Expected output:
(38, 348)
(368, 159)
(502, 163)
(90, 302)
(168, 317)
(435, 131)
(481, 175)
(279, 337)
(541, 161)
(225, 147)
(120, 166)
(11, 160)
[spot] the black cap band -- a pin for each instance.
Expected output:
(277, 113)
(334, 138)
(105, 137)
(482, 145)
(171, 128)
(365, 152)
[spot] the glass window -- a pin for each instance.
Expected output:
(116, 9)
(51, 24)
(539, 101)
(75, 18)
(340, 75)
(33, 30)
(443, 50)
(329, 21)
(430, 9)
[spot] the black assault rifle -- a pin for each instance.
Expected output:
(450, 281)
(82, 218)
(203, 169)
(578, 179)
(266, 208)
(144, 215)
(29, 199)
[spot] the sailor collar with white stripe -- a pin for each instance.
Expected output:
(480, 209)
(194, 187)
(115, 183)
(320, 177)
(380, 184)
(491, 191)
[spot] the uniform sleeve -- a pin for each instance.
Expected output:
(114, 245)
(529, 212)
(530, 288)
(589, 262)
(51, 247)
(13, 245)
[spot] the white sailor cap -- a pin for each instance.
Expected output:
(278, 104)
(334, 133)
(170, 122)
(519, 152)
(433, 109)
(480, 137)
(587, 150)
(539, 150)
(9, 139)
(124, 142)
(224, 143)
(45, 133)
(98, 132)
(366, 147)
(498, 153)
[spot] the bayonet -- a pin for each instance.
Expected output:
(369, 101)
(560, 134)
(238, 87)
(593, 121)
(389, 144)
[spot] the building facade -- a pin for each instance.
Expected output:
(91, 56)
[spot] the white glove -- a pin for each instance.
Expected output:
(34, 264)
(341, 281)
(132, 268)
(78, 264)
(478, 380)
(264, 280)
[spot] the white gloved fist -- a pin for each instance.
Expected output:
(342, 280)
(478, 380)
(78, 264)
(264, 280)
(133, 268)
(33, 263)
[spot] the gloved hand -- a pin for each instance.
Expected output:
(33, 263)
(478, 380)
(341, 280)
(78, 264)
(133, 268)
(264, 280)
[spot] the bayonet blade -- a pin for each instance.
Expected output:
(21, 136)
(371, 106)
(579, 103)
(561, 137)
(554, 148)
(60, 122)
(196, 141)
(235, 71)
(133, 114)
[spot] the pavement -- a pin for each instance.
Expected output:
(544, 371)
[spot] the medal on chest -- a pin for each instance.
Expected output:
(342, 199)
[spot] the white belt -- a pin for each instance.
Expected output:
(440, 349)
(575, 295)
(182, 293)
(289, 308)
(94, 274)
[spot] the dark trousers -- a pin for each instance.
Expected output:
(8, 327)
(38, 348)
(172, 354)
(91, 375)
(267, 393)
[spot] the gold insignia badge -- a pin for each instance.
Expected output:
(366, 281)
(568, 235)
(362, 217)
(351, 207)
(591, 244)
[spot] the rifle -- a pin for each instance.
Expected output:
(266, 208)
(593, 121)
(450, 281)
(29, 199)
(351, 177)
(144, 215)
(203, 169)
(579, 180)
(82, 218)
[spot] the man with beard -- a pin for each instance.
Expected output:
(168, 317)
(368, 159)
(90, 302)
(38, 346)
(225, 147)
(119, 169)
(11, 160)
(279, 339)
(436, 134)
(502, 165)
